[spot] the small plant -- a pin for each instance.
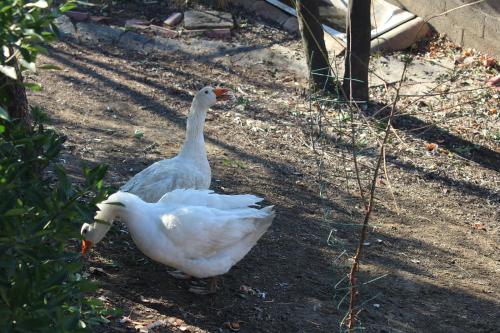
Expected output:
(41, 289)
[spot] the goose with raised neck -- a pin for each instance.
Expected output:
(188, 169)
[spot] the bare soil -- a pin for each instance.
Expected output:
(432, 249)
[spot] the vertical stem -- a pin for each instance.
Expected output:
(364, 229)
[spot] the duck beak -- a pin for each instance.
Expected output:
(222, 94)
(86, 245)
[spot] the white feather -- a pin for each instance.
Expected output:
(200, 233)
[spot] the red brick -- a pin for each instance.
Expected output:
(173, 20)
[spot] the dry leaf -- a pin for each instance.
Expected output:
(233, 325)
(468, 52)
(489, 62)
(493, 111)
(431, 146)
(479, 226)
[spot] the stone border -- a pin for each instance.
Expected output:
(210, 51)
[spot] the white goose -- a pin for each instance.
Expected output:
(190, 168)
(198, 232)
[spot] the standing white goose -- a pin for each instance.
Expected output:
(190, 168)
(197, 232)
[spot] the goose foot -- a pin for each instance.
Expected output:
(205, 290)
(179, 275)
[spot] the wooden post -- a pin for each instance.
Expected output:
(313, 40)
(355, 83)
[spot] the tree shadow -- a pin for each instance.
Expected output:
(291, 263)
(417, 128)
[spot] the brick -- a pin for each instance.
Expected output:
(164, 31)
(135, 22)
(173, 20)
(77, 16)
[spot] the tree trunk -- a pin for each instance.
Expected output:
(313, 40)
(355, 83)
(13, 96)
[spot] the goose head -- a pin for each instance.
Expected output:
(208, 96)
(93, 234)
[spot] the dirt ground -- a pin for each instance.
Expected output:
(431, 262)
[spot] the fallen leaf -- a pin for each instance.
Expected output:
(233, 326)
(431, 146)
(493, 111)
(479, 226)
(489, 62)
(468, 52)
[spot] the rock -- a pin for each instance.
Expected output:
(94, 32)
(211, 33)
(164, 31)
(269, 12)
(65, 26)
(77, 16)
(291, 25)
(173, 20)
(209, 19)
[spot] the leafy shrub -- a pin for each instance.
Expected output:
(41, 289)
(24, 25)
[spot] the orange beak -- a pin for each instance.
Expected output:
(86, 245)
(221, 94)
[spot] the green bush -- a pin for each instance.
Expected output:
(25, 26)
(41, 289)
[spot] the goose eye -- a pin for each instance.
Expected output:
(85, 231)
(206, 91)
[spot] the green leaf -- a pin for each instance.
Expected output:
(50, 67)
(8, 71)
(28, 65)
(15, 212)
(33, 86)
(39, 4)
(138, 134)
(67, 6)
(4, 114)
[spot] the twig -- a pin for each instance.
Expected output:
(357, 257)
(389, 182)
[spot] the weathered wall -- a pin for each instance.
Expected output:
(476, 26)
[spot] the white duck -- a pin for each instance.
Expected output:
(190, 168)
(198, 232)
